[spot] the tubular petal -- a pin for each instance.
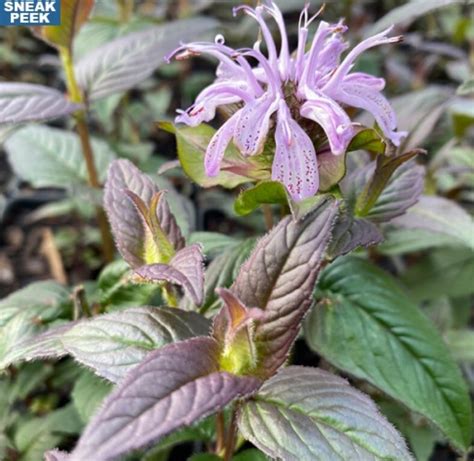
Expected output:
(218, 144)
(346, 65)
(295, 163)
(368, 98)
(253, 124)
(332, 119)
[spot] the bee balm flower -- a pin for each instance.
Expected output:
(282, 90)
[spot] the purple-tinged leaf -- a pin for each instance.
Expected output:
(173, 387)
(331, 168)
(42, 346)
(111, 344)
(279, 278)
(382, 190)
(440, 216)
(350, 233)
(26, 102)
(382, 177)
(124, 217)
(190, 262)
(185, 269)
(126, 61)
(309, 414)
(221, 273)
(401, 192)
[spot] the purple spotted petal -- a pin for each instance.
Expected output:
(294, 163)
(332, 119)
(216, 149)
(372, 100)
(313, 80)
(253, 124)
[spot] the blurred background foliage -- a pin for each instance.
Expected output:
(46, 213)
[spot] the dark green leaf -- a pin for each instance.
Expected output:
(252, 454)
(37, 435)
(421, 437)
(117, 291)
(400, 241)
(213, 243)
(88, 393)
(366, 325)
(444, 272)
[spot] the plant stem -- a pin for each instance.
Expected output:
(81, 306)
(220, 432)
(267, 215)
(231, 436)
(170, 298)
(125, 10)
(75, 95)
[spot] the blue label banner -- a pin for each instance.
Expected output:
(30, 12)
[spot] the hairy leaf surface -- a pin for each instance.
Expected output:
(114, 343)
(279, 277)
(402, 192)
(222, 272)
(27, 312)
(366, 325)
(26, 102)
(171, 388)
(307, 414)
(124, 217)
(186, 269)
(51, 157)
(440, 216)
(126, 61)
(350, 233)
(111, 344)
